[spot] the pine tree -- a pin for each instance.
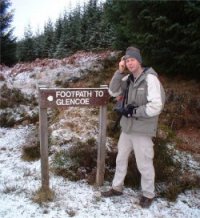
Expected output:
(58, 30)
(166, 31)
(38, 42)
(62, 47)
(91, 23)
(74, 30)
(49, 39)
(26, 48)
(7, 40)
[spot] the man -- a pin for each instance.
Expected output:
(141, 89)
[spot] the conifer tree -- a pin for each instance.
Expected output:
(91, 20)
(48, 39)
(61, 48)
(7, 40)
(58, 31)
(39, 43)
(167, 32)
(26, 48)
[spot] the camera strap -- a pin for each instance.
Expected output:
(125, 99)
(130, 78)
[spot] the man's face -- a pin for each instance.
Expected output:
(133, 65)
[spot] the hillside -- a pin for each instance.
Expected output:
(73, 135)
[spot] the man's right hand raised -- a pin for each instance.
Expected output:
(122, 65)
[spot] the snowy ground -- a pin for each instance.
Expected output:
(19, 180)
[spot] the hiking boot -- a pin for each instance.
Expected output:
(111, 193)
(145, 202)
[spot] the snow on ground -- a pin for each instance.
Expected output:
(20, 179)
(28, 76)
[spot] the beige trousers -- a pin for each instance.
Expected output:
(144, 153)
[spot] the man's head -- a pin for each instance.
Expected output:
(133, 60)
(132, 52)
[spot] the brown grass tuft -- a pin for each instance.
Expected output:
(42, 196)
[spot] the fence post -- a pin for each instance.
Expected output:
(101, 144)
(43, 126)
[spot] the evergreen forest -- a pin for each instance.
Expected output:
(167, 33)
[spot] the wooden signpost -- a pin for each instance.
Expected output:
(64, 98)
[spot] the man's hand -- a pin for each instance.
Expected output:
(122, 65)
(119, 98)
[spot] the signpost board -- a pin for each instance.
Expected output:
(64, 98)
(72, 97)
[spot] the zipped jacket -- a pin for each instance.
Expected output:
(147, 93)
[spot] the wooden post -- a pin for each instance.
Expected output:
(44, 147)
(101, 144)
(53, 98)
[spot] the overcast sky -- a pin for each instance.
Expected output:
(37, 12)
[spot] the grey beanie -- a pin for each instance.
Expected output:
(132, 52)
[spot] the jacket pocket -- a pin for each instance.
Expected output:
(141, 96)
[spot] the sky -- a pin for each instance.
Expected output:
(37, 12)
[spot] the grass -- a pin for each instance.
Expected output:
(9, 188)
(182, 111)
(184, 181)
(31, 153)
(171, 120)
(13, 97)
(10, 100)
(43, 195)
(7, 119)
(31, 146)
(77, 162)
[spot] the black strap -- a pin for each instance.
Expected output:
(125, 99)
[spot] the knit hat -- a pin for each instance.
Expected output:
(132, 52)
